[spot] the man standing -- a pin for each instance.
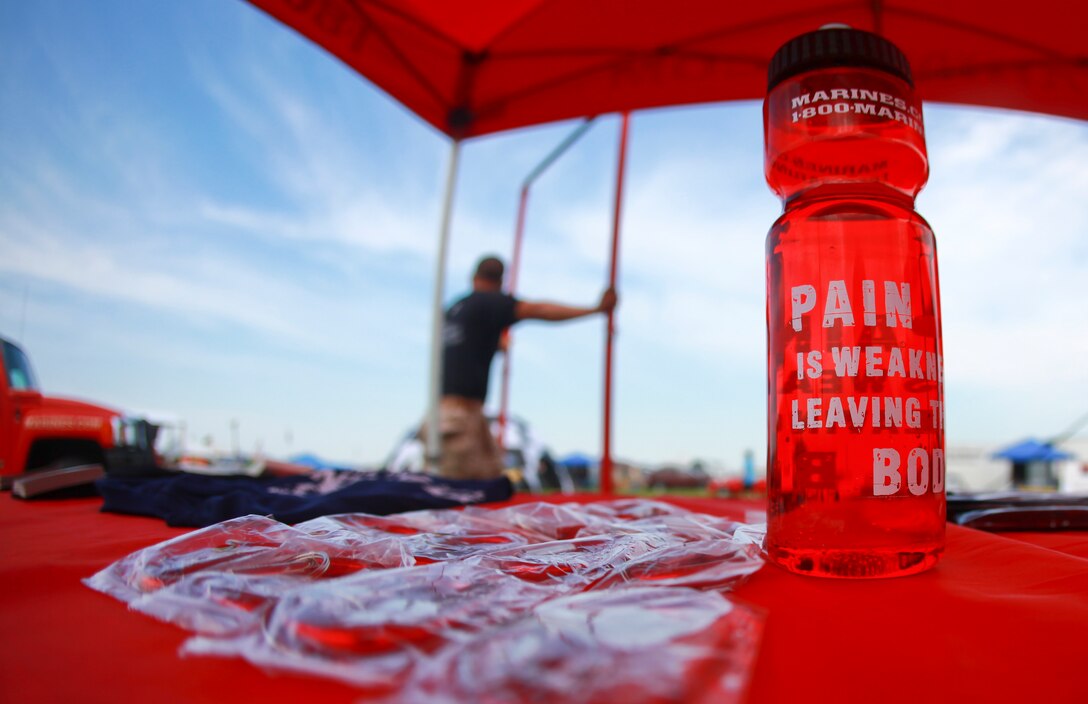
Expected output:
(470, 337)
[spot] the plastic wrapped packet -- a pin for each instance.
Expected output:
(426, 548)
(217, 600)
(380, 602)
(547, 521)
(635, 645)
(217, 603)
(248, 545)
(356, 527)
(677, 527)
(631, 509)
(239, 540)
(371, 628)
(573, 564)
(365, 525)
(423, 539)
(469, 521)
(752, 534)
(703, 564)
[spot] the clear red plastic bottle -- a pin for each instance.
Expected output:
(855, 400)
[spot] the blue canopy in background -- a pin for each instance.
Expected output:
(577, 459)
(1032, 451)
(307, 459)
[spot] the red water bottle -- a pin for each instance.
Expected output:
(855, 402)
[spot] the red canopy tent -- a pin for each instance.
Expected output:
(476, 67)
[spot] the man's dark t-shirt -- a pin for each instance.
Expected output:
(470, 338)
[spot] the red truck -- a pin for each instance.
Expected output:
(40, 432)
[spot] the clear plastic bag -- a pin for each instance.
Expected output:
(701, 564)
(547, 521)
(249, 541)
(533, 598)
(677, 527)
(632, 509)
(217, 603)
(576, 563)
(371, 629)
(636, 645)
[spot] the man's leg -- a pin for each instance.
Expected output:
(454, 425)
(468, 449)
(489, 461)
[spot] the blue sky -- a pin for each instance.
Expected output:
(204, 215)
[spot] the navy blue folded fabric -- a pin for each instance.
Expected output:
(196, 500)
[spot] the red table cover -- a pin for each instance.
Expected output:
(1001, 619)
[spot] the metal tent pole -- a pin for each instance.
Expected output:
(515, 261)
(433, 450)
(511, 288)
(606, 448)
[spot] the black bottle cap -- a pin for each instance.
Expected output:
(836, 45)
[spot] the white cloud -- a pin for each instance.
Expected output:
(1008, 201)
(1009, 204)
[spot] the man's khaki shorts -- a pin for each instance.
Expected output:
(469, 450)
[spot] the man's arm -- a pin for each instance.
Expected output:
(555, 312)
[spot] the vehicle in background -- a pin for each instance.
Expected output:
(40, 432)
(734, 487)
(673, 477)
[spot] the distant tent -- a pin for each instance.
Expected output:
(1032, 463)
(1032, 451)
(582, 469)
(577, 459)
(312, 461)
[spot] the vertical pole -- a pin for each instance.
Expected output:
(515, 263)
(511, 287)
(432, 449)
(606, 449)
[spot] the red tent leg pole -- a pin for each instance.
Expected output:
(511, 287)
(515, 261)
(606, 450)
